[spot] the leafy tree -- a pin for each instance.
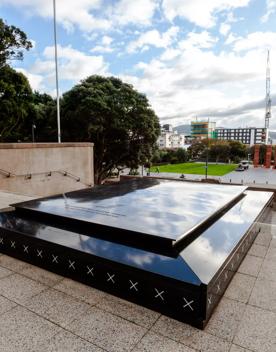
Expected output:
(113, 115)
(16, 104)
(44, 118)
(198, 149)
(220, 151)
(156, 158)
(172, 156)
(237, 150)
(182, 155)
(12, 41)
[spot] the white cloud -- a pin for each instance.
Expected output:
(198, 40)
(270, 10)
(228, 87)
(74, 64)
(104, 46)
(139, 12)
(43, 66)
(106, 40)
(224, 28)
(230, 18)
(154, 38)
(34, 80)
(256, 40)
(200, 12)
(170, 54)
(193, 76)
(101, 49)
(80, 13)
(231, 39)
(76, 13)
(89, 15)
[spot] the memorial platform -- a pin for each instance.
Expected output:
(168, 245)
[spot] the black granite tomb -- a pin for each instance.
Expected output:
(171, 246)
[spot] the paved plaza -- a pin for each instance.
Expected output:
(7, 198)
(253, 176)
(42, 311)
(259, 175)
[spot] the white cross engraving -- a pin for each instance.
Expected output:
(72, 264)
(133, 285)
(55, 259)
(25, 248)
(90, 270)
(210, 300)
(12, 244)
(218, 287)
(188, 304)
(111, 278)
(39, 253)
(1, 240)
(159, 294)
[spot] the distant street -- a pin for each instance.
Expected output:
(260, 175)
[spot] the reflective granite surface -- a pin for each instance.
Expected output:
(186, 284)
(157, 208)
(159, 264)
(207, 253)
(196, 263)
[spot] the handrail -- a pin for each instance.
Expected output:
(6, 173)
(46, 173)
(66, 173)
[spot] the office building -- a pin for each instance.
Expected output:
(248, 135)
(203, 129)
(170, 139)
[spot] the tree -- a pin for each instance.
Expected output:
(182, 155)
(198, 149)
(220, 151)
(16, 104)
(113, 115)
(237, 150)
(12, 40)
(44, 118)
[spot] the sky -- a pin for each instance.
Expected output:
(192, 58)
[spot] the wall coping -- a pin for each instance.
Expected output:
(43, 145)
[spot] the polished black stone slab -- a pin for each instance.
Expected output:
(186, 285)
(143, 211)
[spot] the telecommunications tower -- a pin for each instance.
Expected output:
(267, 97)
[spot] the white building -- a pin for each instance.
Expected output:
(249, 135)
(170, 139)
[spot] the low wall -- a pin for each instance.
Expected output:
(40, 169)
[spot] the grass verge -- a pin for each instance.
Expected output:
(197, 168)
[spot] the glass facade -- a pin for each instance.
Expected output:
(203, 129)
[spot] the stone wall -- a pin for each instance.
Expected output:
(40, 169)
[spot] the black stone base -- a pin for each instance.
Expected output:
(184, 286)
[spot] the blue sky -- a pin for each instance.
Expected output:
(192, 58)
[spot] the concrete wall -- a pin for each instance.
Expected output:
(37, 169)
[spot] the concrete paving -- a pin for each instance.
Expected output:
(42, 311)
(253, 176)
(7, 198)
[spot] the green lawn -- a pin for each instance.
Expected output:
(197, 168)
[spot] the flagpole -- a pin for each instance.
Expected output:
(56, 63)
